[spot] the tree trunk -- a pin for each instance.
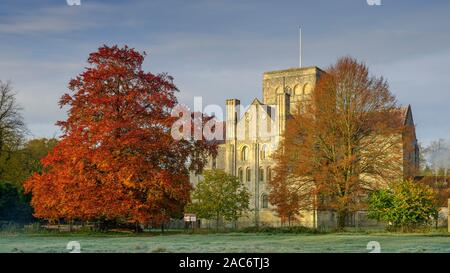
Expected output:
(137, 227)
(162, 227)
(341, 219)
(437, 219)
(217, 222)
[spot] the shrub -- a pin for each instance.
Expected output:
(406, 205)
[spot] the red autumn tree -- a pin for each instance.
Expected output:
(117, 158)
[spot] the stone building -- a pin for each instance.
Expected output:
(253, 133)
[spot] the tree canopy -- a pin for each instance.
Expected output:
(406, 205)
(116, 158)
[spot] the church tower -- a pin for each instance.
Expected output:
(297, 82)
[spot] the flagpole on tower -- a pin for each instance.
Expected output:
(300, 47)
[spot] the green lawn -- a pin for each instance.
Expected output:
(231, 242)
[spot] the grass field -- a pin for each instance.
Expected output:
(230, 242)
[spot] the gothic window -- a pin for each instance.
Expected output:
(261, 174)
(248, 174)
(241, 175)
(265, 201)
(244, 153)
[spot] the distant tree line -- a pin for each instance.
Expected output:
(19, 158)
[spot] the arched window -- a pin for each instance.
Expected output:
(263, 152)
(268, 174)
(306, 91)
(241, 175)
(265, 201)
(248, 174)
(261, 174)
(297, 90)
(244, 153)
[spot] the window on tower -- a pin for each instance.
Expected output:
(248, 174)
(268, 174)
(244, 153)
(263, 152)
(265, 201)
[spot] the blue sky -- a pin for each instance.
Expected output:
(219, 49)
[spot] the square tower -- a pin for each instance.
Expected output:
(296, 82)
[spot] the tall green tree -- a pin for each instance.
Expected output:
(219, 195)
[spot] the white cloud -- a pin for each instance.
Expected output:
(57, 19)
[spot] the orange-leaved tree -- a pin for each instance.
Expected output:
(341, 143)
(117, 159)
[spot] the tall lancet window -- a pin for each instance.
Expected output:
(265, 201)
(244, 153)
(263, 152)
(268, 174)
